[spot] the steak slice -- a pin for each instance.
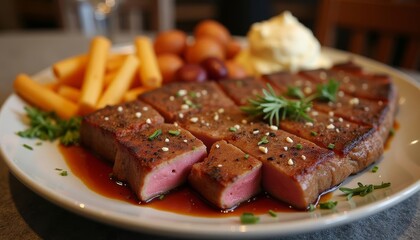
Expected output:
(227, 176)
(361, 144)
(239, 90)
(214, 124)
(100, 129)
(369, 86)
(281, 81)
(294, 170)
(153, 166)
(179, 98)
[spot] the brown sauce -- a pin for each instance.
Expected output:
(95, 174)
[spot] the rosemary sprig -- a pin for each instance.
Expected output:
(276, 108)
(362, 190)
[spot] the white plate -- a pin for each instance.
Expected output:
(400, 166)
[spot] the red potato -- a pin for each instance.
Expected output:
(203, 48)
(215, 68)
(235, 70)
(233, 47)
(172, 41)
(191, 73)
(212, 29)
(168, 65)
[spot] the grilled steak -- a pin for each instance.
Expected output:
(294, 170)
(227, 176)
(100, 129)
(299, 161)
(240, 90)
(177, 99)
(214, 124)
(153, 163)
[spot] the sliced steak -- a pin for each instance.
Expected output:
(100, 129)
(154, 165)
(361, 144)
(179, 98)
(282, 81)
(369, 86)
(295, 170)
(227, 176)
(240, 90)
(214, 124)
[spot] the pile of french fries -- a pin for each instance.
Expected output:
(88, 82)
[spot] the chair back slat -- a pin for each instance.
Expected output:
(384, 48)
(357, 42)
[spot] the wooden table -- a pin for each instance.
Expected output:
(25, 215)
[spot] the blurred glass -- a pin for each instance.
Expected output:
(98, 17)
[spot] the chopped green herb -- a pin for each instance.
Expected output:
(28, 147)
(38, 143)
(299, 146)
(313, 133)
(263, 140)
(174, 132)
(246, 156)
(331, 146)
(194, 147)
(375, 169)
(295, 92)
(161, 197)
(155, 134)
(48, 126)
(391, 132)
(233, 129)
(192, 94)
(311, 207)
(249, 218)
(272, 213)
(328, 205)
(61, 172)
(362, 190)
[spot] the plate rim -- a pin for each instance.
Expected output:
(239, 231)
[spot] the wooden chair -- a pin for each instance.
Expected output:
(389, 20)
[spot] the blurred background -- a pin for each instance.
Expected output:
(386, 30)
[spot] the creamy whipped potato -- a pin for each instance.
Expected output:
(281, 43)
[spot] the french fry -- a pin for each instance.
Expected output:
(51, 85)
(114, 62)
(120, 84)
(109, 76)
(94, 76)
(149, 70)
(70, 93)
(132, 94)
(70, 71)
(44, 98)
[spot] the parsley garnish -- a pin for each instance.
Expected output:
(61, 172)
(249, 218)
(155, 134)
(311, 207)
(328, 205)
(233, 129)
(299, 146)
(313, 133)
(375, 169)
(362, 190)
(272, 213)
(263, 140)
(27, 147)
(325, 92)
(246, 156)
(174, 132)
(48, 126)
(331, 146)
